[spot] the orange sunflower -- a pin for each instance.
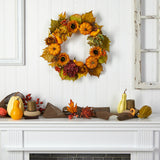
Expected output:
(85, 28)
(54, 49)
(91, 62)
(96, 52)
(63, 59)
(72, 26)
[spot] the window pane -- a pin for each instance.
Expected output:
(148, 7)
(149, 34)
(149, 67)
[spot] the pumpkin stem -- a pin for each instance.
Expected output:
(125, 90)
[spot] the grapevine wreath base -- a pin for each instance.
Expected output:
(64, 27)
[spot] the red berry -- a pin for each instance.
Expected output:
(37, 102)
(29, 98)
(41, 102)
(37, 99)
(37, 105)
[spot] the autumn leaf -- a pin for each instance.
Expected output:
(98, 26)
(99, 40)
(72, 108)
(54, 24)
(96, 71)
(53, 64)
(47, 56)
(88, 17)
(62, 16)
(102, 59)
(76, 17)
(66, 77)
(106, 43)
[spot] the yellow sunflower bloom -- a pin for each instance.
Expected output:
(63, 59)
(72, 26)
(96, 52)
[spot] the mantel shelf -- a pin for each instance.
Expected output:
(81, 150)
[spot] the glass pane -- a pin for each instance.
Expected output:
(148, 7)
(149, 67)
(149, 34)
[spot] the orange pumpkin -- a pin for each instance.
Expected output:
(85, 28)
(54, 49)
(91, 62)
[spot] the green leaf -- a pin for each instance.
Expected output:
(106, 43)
(102, 59)
(76, 17)
(54, 24)
(66, 77)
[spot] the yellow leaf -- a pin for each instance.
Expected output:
(62, 16)
(47, 56)
(88, 17)
(96, 71)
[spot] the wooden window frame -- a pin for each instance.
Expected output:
(138, 51)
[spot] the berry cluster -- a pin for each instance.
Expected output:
(71, 69)
(38, 103)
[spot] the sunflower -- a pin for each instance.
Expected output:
(72, 26)
(96, 52)
(63, 59)
(91, 62)
(85, 28)
(51, 39)
(54, 49)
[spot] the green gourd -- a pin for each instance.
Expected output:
(145, 112)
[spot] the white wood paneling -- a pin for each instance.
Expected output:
(41, 80)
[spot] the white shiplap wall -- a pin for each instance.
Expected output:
(38, 78)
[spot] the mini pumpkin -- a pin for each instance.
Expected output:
(3, 112)
(85, 28)
(145, 112)
(54, 49)
(91, 62)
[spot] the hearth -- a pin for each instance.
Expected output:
(79, 156)
(25, 139)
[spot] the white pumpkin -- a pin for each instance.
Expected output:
(10, 104)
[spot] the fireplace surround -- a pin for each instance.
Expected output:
(136, 137)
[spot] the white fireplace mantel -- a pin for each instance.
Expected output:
(139, 137)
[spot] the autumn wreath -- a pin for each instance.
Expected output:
(64, 27)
